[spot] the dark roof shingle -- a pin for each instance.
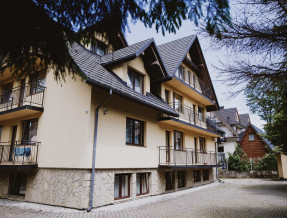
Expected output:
(173, 52)
(99, 76)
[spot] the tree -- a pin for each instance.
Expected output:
(36, 34)
(259, 33)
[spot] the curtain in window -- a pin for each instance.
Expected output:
(125, 186)
(145, 183)
(117, 185)
(138, 136)
(178, 140)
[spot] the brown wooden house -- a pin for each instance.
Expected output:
(253, 144)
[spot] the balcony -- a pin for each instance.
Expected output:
(194, 82)
(19, 155)
(187, 158)
(21, 101)
(196, 121)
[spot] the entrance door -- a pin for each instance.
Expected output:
(13, 139)
(167, 138)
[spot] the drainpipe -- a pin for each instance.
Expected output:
(94, 149)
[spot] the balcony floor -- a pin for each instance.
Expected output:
(188, 126)
(20, 112)
(183, 166)
(9, 165)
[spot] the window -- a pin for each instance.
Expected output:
(30, 131)
(251, 137)
(205, 175)
(135, 81)
(202, 144)
(37, 83)
(178, 140)
(221, 149)
(177, 102)
(196, 176)
(99, 48)
(134, 132)
(142, 183)
(6, 92)
(169, 180)
(180, 73)
(17, 183)
(200, 114)
(166, 96)
(181, 178)
(122, 186)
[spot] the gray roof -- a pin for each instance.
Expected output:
(270, 145)
(172, 53)
(131, 51)
(244, 119)
(223, 114)
(99, 76)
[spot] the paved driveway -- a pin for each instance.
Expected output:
(233, 198)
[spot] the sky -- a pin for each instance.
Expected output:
(138, 32)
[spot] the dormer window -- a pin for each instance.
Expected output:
(99, 48)
(135, 81)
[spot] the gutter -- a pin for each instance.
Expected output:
(94, 148)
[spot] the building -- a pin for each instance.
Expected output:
(282, 166)
(232, 123)
(139, 117)
(254, 144)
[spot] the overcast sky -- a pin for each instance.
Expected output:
(138, 33)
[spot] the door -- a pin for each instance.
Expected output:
(21, 94)
(167, 138)
(13, 140)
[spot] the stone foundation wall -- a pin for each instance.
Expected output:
(253, 174)
(71, 187)
(68, 188)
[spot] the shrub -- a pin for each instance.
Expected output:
(238, 161)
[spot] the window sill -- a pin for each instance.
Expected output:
(136, 145)
(143, 194)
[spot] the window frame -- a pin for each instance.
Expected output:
(120, 186)
(133, 132)
(179, 103)
(166, 96)
(136, 74)
(252, 134)
(35, 86)
(94, 47)
(202, 148)
(8, 89)
(181, 137)
(141, 176)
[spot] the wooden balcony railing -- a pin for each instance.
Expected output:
(186, 157)
(28, 95)
(19, 153)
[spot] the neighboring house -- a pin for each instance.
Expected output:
(232, 123)
(151, 134)
(253, 144)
